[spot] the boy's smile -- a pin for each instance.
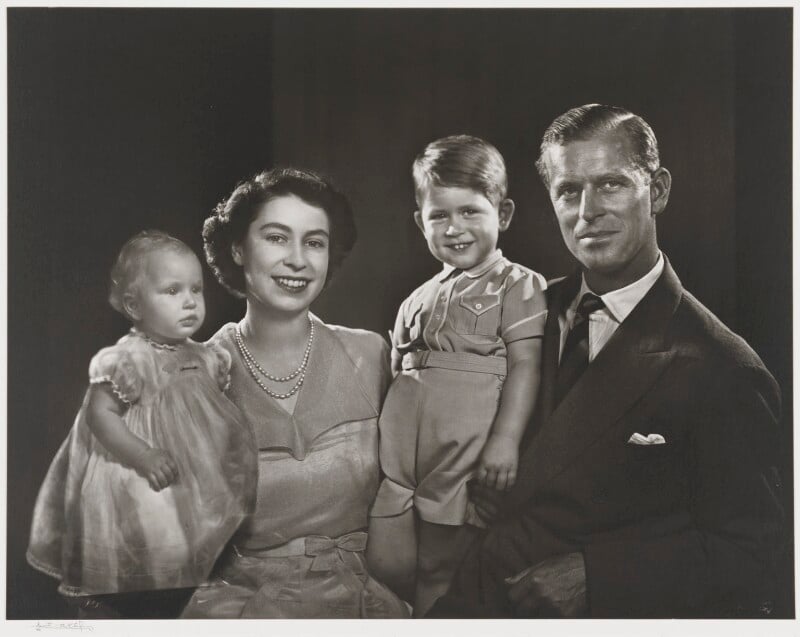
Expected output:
(461, 225)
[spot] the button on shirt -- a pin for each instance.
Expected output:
(618, 304)
(476, 311)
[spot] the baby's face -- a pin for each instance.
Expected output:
(461, 225)
(169, 302)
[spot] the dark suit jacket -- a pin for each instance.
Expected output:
(687, 528)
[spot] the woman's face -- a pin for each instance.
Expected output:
(285, 255)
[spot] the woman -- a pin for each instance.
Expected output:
(312, 393)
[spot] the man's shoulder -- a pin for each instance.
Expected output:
(556, 288)
(699, 333)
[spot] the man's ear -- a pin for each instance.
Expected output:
(418, 220)
(236, 253)
(505, 211)
(660, 184)
(131, 306)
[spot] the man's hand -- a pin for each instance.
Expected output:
(485, 499)
(555, 587)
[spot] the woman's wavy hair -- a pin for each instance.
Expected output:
(231, 219)
(128, 269)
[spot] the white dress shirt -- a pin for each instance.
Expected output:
(618, 304)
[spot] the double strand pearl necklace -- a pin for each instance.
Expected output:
(253, 367)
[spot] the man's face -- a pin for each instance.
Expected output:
(606, 208)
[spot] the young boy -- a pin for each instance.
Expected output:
(466, 352)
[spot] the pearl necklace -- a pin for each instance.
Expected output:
(252, 366)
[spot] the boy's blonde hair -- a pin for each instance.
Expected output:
(461, 161)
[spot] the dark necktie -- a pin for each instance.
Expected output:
(575, 357)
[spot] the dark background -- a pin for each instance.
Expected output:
(122, 119)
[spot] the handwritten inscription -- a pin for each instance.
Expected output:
(69, 625)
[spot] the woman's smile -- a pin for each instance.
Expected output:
(293, 285)
(285, 254)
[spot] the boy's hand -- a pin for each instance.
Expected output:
(158, 467)
(498, 464)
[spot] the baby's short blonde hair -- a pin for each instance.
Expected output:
(129, 266)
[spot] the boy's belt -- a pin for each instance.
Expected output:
(459, 361)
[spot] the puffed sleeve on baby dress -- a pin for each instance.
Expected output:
(219, 362)
(115, 366)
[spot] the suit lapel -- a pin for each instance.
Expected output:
(635, 356)
(559, 295)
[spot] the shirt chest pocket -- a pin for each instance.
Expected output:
(477, 314)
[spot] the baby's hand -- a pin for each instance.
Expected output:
(158, 467)
(498, 464)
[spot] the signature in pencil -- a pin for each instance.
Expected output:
(71, 625)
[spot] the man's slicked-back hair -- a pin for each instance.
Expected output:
(584, 122)
(461, 161)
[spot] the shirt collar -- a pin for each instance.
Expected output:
(621, 302)
(475, 271)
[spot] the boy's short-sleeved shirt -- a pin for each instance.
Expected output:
(476, 311)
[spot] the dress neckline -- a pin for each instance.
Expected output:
(155, 344)
(332, 394)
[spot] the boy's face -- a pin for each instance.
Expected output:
(461, 225)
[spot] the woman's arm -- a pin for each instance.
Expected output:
(498, 464)
(104, 417)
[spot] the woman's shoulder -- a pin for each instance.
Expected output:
(224, 337)
(358, 341)
(367, 356)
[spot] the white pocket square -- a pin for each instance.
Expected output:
(649, 439)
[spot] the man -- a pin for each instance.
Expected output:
(647, 481)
